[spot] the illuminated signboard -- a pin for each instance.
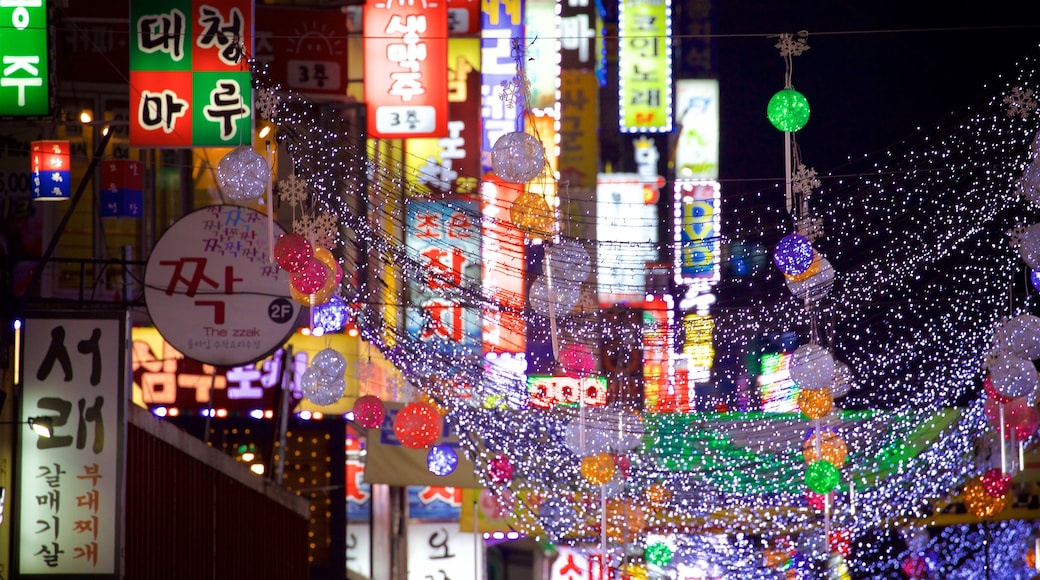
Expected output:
(304, 49)
(501, 23)
(778, 392)
(697, 204)
(546, 392)
(502, 255)
(188, 86)
(51, 170)
(451, 164)
(698, 347)
(406, 56)
(25, 84)
(70, 485)
(644, 65)
(697, 115)
(543, 56)
(444, 237)
(626, 231)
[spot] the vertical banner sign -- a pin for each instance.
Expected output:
(504, 266)
(71, 484)
(463, 17)
(188, 80)
(579, 123)
(213, 290)
(542, 56)
(662, 392)
(577, 35)
(644, 66)
(697, 114)
(406, 56)
(304, 49)
(450, 165)
(444, 237)
(502, 21)
(440, 550)
(626, 232)
(25, 86)
(121, 188)
(50, 171)
(698, 227)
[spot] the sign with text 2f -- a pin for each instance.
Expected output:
(24, 71)
(188, 80)
(406, 60)
(70, 489)
(644, 65)
(444, 238)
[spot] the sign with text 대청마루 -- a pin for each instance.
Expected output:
(25, 71)
(189, 82)
(70, 489)
(213, 290)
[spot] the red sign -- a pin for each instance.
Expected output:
(305, 49)
(51, 170)
(406, 61)
(545, 392)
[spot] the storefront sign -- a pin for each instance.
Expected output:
(189, 81)
(122, 188)
(70, 490)
(644, 64)
(51, 170)
(25, 85)
(304, 49)
(213, 290)
(546, 392)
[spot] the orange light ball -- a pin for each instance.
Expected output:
(598, 469)
(981, 504)
(657, 495)
(832, 449)
(815, 404)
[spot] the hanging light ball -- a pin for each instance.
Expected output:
(1028, 185)
(500, 470)
(557, 516)
(815, 287)
(832, 448)
(330, 361)
(311, 276)
(321, 388)
(1029, 245)
(822, 476)
(1034, 279)
(625, 520)
(578, 359)
(1018, 336)
(441, 460)
(518, 157)
(996, 483)
(659, 554)
(291, 251)
(979, 503)
(243, 174)
(657, 495)
(815, 404)
(331, 315)
(1028, 424)
(329, 259)
(369, 411)
(1013, 376)
(793, 254)
(842, 380)
(417, 425)
(598, 469)
(314, 299)
(788, 110)
(812, 367)
(809, 272)
(817, 501)
(532, 215)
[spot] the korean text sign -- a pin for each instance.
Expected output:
(645, 57)
(71, 484)
(24, 70)
(189, 85)
(406, 62)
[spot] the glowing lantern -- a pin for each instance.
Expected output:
(812, 270)
(441, 460)
(578, 359)
(996, 483)
(369, 411)
(832, 449)
(557, 516)
(794, 255)
(597, 469)
(625, 520)
(291, 251)
(979, 503)
(1029, 245)
(822, 476)
(815, 404)
(657, 495)
(518, 157)
(532, 215)
(659, 554)
(812, 367)
(500, 470)
(417, 425)
(320, 387)
(243, 174)
(1013, 376)
(840, 541)
(331, 315)
(788, 110)
(311, 276)
(50, 170)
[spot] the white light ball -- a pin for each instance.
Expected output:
(1018, 337)
(243, 174)
(330, 362)
(842, 380)
(1029, 246)
(591, 440)
(518, 157)
(565, 296)
(812, 367)
(320, 388)
(570, 261)
(1029, 183)
(1013, 377)
(815, 287)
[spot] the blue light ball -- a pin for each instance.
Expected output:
(331, 316)
(1034, 278)
(441, 460)
(793, 254)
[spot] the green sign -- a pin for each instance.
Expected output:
(24, 70)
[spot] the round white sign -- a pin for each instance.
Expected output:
(213, 291)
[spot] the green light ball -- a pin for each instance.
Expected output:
(822, 476)
(788, 110)
(658, 554)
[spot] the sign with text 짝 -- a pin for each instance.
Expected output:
(406, 59)
(70, 487)
(213, 291)
(25, 74)
(189, 82)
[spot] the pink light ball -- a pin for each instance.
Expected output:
(369, 412)
(311, 276)
(291, 251)
(500, 470)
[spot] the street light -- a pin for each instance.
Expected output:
(42, 426)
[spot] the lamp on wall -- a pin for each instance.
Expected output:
(42, 426)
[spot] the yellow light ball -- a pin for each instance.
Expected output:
(981, 504)
(532, 215)
(815, 404)
(598, 469)
(657, 495)
(832, 449)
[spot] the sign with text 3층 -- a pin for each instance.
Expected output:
(189, 82)
(24, 70)
(70, 489)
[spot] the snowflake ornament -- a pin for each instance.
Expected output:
(304, 226)
(1020, 103)
(325, 230)
(1015, 236)
(790, 45)
(810, 227)
(266, 103)
(292, 190)
(804, 180)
